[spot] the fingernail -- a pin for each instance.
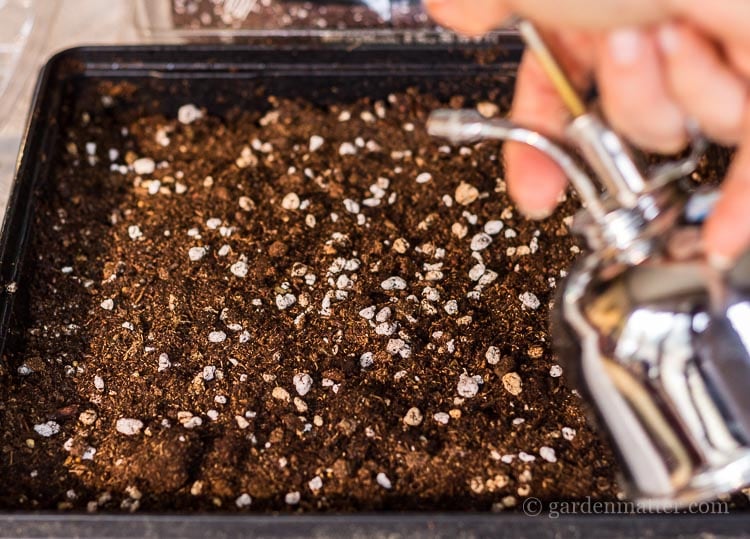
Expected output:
(625, 46)
(536, 214)
(668, 38)
(720, 262)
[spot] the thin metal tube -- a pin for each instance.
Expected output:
(469, 126)
(551, 67)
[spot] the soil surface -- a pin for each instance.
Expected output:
(290, 15)
(300, 308)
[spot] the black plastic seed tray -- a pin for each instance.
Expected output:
(219, 77)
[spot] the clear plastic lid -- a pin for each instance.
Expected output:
(16, 23)
(332, 20)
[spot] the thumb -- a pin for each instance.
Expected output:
(727, 231)
(475, 17)
(470, 17)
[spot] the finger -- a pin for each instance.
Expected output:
(634, 93)
(534, 181)
(739, 56)
(585, 14)
(470, 17)
(726, 20)
(727, 231)
(704, 85)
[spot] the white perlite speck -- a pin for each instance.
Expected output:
(347, 148)
(525, 457)
(383, 314)
(189, 113)
(290, 201)
(568, 433)
(383, 481)
(430, 294)
(366, 360)
(144, 165)
(285, 301)
(451, 307)
(529, 300)
(107, 304)
(441, 417)
(50, 428)
(398, 346)
(209, 372)
(303, 383)
(315, 484)
(424, 177)
(217, 336)
(351, 206)
(196, 253)
(492, 355)
(292, 498)
(128, 427)
(476, 271)
(99, 383)
(555, 371)
(393, 283)
(244, 500)
(493, 227)
(316, 142)
(213, 223)
(548, 454)
(134, 231)
(386, 328)
(164, 363)
(239, 269)
(468, 386)
(413, 417)
(480, 241)
(368, 312)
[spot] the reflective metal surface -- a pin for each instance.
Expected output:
(663, 351)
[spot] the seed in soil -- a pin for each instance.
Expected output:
(413, 417)
(512, 383)
(529, 300)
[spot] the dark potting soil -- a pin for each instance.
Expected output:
(300, 308)
(289, 15)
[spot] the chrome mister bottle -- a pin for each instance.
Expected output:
(656, 339)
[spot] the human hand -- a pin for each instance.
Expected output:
(657, 63)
